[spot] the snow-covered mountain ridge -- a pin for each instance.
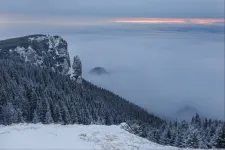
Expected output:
(34, 94)
(55, 136)
(41, 50)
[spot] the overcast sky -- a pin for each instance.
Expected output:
(64, 13)
(185, 67)
(115, 8)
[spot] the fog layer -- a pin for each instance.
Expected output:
(160, 71)
(159, 67)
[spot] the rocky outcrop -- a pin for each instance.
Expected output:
(77, 69)
(41, 50)
(98, 71)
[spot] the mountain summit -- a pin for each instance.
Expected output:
(41, 50)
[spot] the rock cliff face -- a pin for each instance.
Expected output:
(77, 69)
(41, 50)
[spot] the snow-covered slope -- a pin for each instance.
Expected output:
(39, 136)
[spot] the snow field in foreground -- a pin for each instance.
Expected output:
(39, 136)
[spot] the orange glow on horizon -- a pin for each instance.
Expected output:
(170, 21)
(6, 20)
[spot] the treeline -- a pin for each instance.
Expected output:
(199, 133)
(32, 94)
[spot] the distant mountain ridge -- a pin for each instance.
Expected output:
(186, 113)
(187, 108)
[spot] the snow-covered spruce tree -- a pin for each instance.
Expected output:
(181, 135)
(192, 141)
(48, 115)
(153, 135)
(57, 114)
(166, 136)
(20, 116)
(218, 140)
(35, 117)
(221, 139)
(213, 134)
(77, 69)
(196, 121)
(178, 139)
(9, 114)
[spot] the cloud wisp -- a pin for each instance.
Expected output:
(203, 21)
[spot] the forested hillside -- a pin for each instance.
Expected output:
(41, 95)
(33, 94)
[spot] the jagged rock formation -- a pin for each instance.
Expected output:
(41, 50)
(77, 69)
(98, 71)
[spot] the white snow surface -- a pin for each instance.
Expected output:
(20, 50)
(39, 38)
(39, 136)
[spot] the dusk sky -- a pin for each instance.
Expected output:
(86, 12)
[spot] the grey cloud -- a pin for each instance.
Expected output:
(116, 8)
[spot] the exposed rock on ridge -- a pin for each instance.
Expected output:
(41, 50)
(77, 69)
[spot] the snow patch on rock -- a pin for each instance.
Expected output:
(42, 50)
(20, 50)
(38, 39)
